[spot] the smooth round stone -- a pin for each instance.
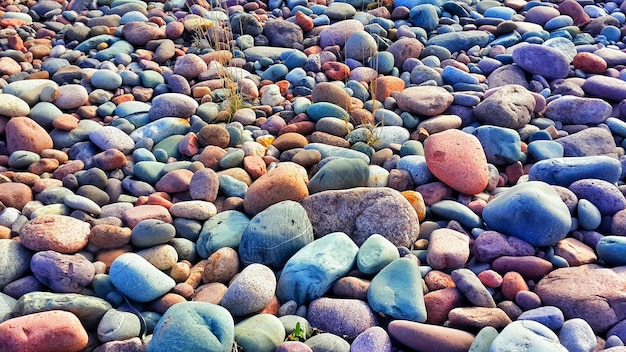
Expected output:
(109, 137)
(339, 173)
(211, 327)
(22, 159)
(511, 106)
(549, 224)
(106, 79)
(588, 142)
(529, 335)
(319, 264)
(423, 100)
(85, 204)
(161, 129)
(502, 146)
(453, 75)
(152, 232)
(331, 151)
(397, 291)
(342, 317)
(452, 153)
(610, 250)
(250, 291)
(23, 133)
(52, 330)
(71, 96)
(384, 136)
(483, 339)
(117, 325)
(451, 210)
(577, 336)
(233, 158)
(417, 168)
(325, 109)
(262, 332)
(275, 234)
(285, 183)
(189, 66)
(193, 209)
(15, 261)
(225, 229)
(136, 278)
(426, 337)
(172, 105)
(44, 113)
(61, 272)
(360, 46)
(469, 284)
(571, 110)
(59, 233)
(531, 58)
(7, 305)
(327, 342)
(375, 253)
(163, 256)
(457, 41)
(545, 150)
(589, 216)
(12, 106)
(605, 87)
(221, 266)
(447, 249)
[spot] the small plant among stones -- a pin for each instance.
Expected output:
(298, 334)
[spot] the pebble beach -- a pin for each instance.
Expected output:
(293, 176)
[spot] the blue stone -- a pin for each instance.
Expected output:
(224, 229)
(151, 79)
(193, 326)
(295, 75)
(383, 62)
(139, 280)
(558, 22)
(152, 232)
(340, 173)
(505, 13)
(502, 146)
(452, 75)
(275, 73)
(328, 151)
(565, 171)
(611, 33)
(117, 48)
(531, 211)
(411, 147)
(424, 16)
(416, 166)
(275, 234)
(589, 217)
(611, 250)
(232, 187)
(526, 335)
(550, 316)
(507, 40)
(312, 271)
(149, 171)
(577, 335)
(324, 109)
(451, 210)
(617, 126)
(457, 41)
(162, 128)
(387, 117)
(397, 291)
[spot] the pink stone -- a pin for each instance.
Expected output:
(425, 337)
(423, 100)
(23, 133)
(51, 331)
(457, 159)
(530, 267)
(490, 278)
(135, 215)
(58, 233)
(434, 192)
(476, 318)
(254, 166)
(204, 185)
(448, 249)
(15, 194)
(439, 303)
(175, 181)
(512, 283)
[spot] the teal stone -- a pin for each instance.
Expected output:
(232, 158)
(137, 279)
(411, 147)
(383, 62)
(452, 210)
(44, 113)
(457, 41)
(224, 229)
(93, 42)
(117, 325)
(133, 16)
(102, 285)
(261, 332)
(387, 117)
(142, 154)
(327, 342)
(186, 249)
(160, 129)
(289, 323)
(235, 136)
(409, 120)
(232, 187)
(88, 309)
(611, 250)
(589, 217)
(119, 47)
(66, 139)
(53, 195)
(364, 148)
(193, 326)
(131, 107)
(18, 15)
(358, 90)
(340, 173)
(176, 165)
(397, 291)
(22, 159)
(14, 261)
(312, 271)
(152, 232)
(160, 154)
(149, 171)
(545, 149)
(376, 253)
(502, 146)
(328, 151)
(416, 166)
(170, 145)
(275, 234)
(106, 79)
(275, 73)
(526, 335)
(151, 79)
(7, 304)
(531, 211)
(324, 109)
(483, 339)
(565, 171)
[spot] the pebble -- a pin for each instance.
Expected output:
(62, 272)
(529, 335)
(136, 278)
(430, 336)
(262, 332)
(250, 291)
(58, 233)
(375, 253)
(342, 317)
